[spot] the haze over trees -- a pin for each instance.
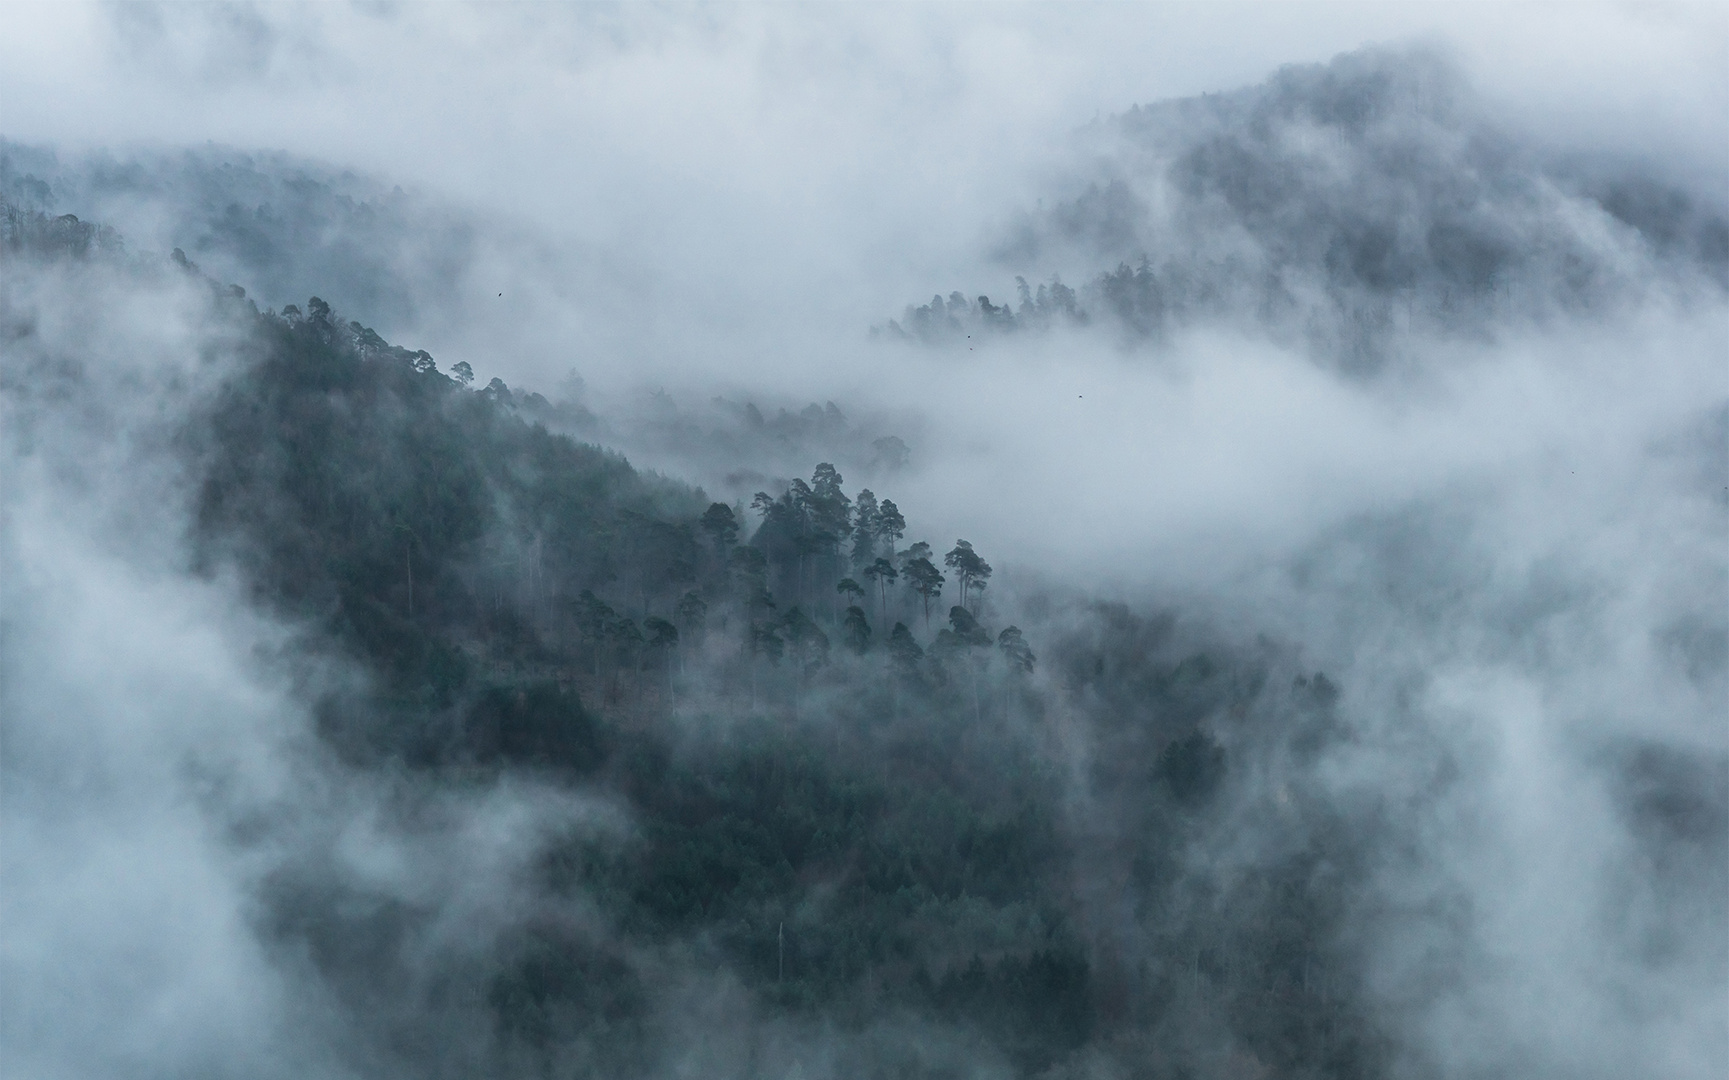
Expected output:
(1342, 207)
(525, 604)
(790, 784)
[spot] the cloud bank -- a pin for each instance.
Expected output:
(1497, 521)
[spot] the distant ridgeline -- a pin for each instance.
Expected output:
(851, 790)
(267, 219)
(1339, 206)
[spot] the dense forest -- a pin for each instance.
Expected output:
(837, 762)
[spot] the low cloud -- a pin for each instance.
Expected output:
(1503, 544)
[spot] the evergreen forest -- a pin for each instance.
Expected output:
(835, 764)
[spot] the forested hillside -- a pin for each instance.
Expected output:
(1286, 639)
(1343, 208)
(838, 767)
(264, 219)
(839, 793)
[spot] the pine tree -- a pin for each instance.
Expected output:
(969, 568)
(721, 525)
(865, 523)
(890, 527)
(882, 574)
(924, 579)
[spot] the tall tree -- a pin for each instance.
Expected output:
(964, 639)
(890, 527)
(831, 519)
(830, 507)
(882, 574)
(865, 522)
(848, 587)
(1018, 655)
(926, 580)
(969, 568)
(799, 503)
(720, 525)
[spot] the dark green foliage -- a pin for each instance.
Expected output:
(342, 474)
(965, 630)
(882, 573)
(903, 648)
(971, 570)
(875, 836)
(553, 989)
(537, 724)
(891, 525)
(867, 521)
(1036, 1005)
(721, 527)
(738, 837)
(925, 580)
(367, 491)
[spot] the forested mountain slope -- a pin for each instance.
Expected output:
(838, 777)
(1342, 207)
(273, 222)
(387, 721)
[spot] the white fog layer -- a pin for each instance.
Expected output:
(1334, 681)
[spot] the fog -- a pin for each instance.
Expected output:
(1481, 483)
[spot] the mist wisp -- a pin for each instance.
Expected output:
(1333, 683)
